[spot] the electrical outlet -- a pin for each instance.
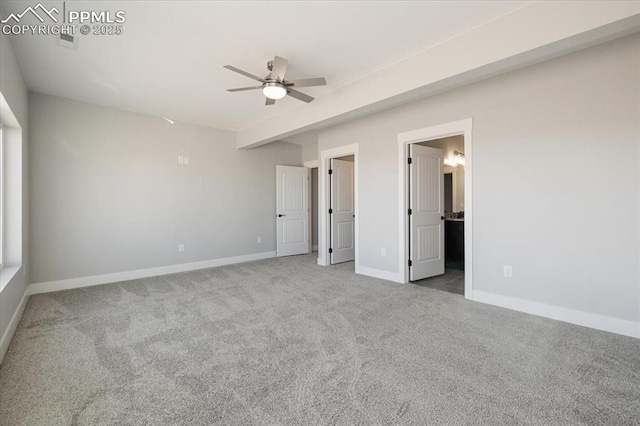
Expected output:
(186, 160)
(180, 248)
(508, 271)
(180, 159)
(383, 252)
(259, 240)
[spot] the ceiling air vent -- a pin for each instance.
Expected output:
(67, 40)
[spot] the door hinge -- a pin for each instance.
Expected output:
(409, 212)
(409, 263)
(330, 250)
(330, 211)
(330, 171)
(409, 160)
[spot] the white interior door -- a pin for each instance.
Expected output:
(341, 212)
(426, 214)
(292, 210)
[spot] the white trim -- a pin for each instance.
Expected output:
(379, 273)
(461, 127)
(313, 164)
(309, 212)
(13, 324)
(573, 316)
(46, 287)
(323, 196)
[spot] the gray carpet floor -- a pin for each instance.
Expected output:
(284, 341)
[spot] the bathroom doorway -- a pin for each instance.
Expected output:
(451, 220)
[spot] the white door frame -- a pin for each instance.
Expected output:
(323, 201)
(312, 164)
(461, 127)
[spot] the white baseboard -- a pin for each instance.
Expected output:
(46, 287)
(573, 316)
(378, 273)
(13, 325)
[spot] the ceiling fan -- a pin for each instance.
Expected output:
(274, 86)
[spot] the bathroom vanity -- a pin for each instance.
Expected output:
(454, 243)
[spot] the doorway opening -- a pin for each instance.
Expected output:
(435, 172)
(314, 209)
(338, 207)
(313, 166)
(341, 210)
(450, 209)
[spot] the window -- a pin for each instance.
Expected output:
(10, 188)
(1, 194)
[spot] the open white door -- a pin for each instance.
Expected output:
(292, 210)
(341, 212)
(426, 212)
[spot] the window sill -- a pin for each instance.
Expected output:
(7, 274)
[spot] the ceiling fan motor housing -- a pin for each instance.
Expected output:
(274, 89)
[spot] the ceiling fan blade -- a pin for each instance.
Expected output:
(242, 89)
(307, 82)
(279, 68)
(246, 74)
(299, 95)
(270, 101)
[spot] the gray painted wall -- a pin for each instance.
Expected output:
(15, 93)
(310, 152)
(108, 194)
(549, 143)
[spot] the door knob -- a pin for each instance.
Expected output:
(280, 215)
(441, 217)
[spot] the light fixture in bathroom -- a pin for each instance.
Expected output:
(456, 160)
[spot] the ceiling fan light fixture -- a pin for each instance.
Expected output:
(274, 86)
(274, 90)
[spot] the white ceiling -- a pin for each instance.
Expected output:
(169, 60)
